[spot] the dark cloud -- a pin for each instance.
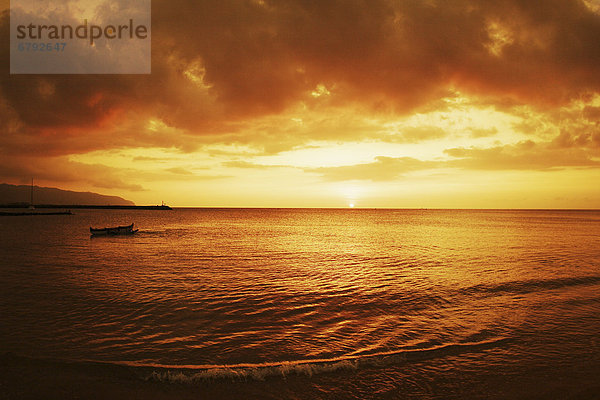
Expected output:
(592, 114)
(151, 159)
(179, 171)
(182, 174)
(417, 134)
(259, 59)
(219, 66)
(481, 132)
(585, 138)
(526, 155)
(249, 165)
(382, 169)
(60, 169)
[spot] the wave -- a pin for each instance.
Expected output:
(190, 374)
(529, 286)
(261, 371)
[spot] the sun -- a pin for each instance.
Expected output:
(351, 205)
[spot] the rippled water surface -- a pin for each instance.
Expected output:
(359, 302)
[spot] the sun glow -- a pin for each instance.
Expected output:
(323, 128)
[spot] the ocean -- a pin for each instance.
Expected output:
(302, 304)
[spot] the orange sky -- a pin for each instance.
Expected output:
(417, 103)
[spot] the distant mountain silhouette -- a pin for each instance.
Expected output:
(10, 194)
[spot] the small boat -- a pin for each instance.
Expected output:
(117, 230)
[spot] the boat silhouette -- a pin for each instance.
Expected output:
(117, 230)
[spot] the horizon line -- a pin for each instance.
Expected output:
(387, 208)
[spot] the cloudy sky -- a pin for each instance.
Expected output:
(313, 103)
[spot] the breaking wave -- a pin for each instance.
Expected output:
(206, 373)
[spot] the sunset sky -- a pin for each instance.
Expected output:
(311, 103)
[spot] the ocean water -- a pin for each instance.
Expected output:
(309, 303)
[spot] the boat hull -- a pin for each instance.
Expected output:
(117, 230)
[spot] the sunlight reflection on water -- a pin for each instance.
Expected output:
(223, 287)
